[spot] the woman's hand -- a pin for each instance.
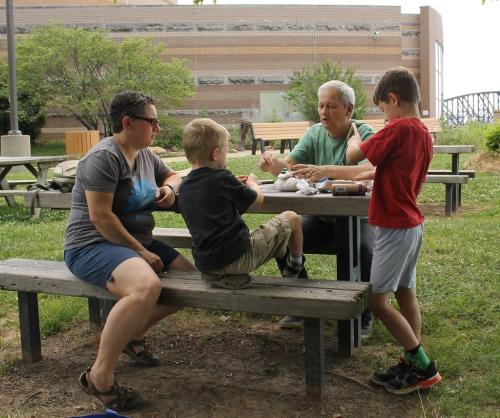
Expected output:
(152, 259)
(166, 197)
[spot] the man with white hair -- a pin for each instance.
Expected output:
(321, 154)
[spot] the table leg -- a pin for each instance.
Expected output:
(4, 185)
(455, 169)
(314, 342)
(41, 178)
(30, 326)
(348, 248)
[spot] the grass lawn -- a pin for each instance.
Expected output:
(458, 287)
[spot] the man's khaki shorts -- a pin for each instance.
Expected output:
(269, 240)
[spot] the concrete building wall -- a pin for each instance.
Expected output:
(236, 52)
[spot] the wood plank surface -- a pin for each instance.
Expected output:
(468, 173)
(452, 149)
(328, 299)
(323, 204)
(447, 178)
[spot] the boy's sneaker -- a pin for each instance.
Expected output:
(412, 379)
(292, 269)
(228, 281)
(383, 376)
(291, 322)
(366, 323)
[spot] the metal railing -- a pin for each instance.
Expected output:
(470, 107)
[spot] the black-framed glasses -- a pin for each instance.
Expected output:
(154, 122)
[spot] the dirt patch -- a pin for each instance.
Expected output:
(210, 368)
(488, 162)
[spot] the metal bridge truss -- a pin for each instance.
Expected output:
(470, 107)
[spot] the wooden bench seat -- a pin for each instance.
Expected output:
(450, 181)
(276, 131)
(469, 173)
(13, 184)
(432, 124)
(314, 300)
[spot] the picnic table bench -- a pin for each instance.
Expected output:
(261, 132)
(314, 300)
(37, 166)
(432, 124)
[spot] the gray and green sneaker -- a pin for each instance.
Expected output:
(410, 379)
(383, 376)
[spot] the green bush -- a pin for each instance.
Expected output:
(473, 133)
(493, 138)
(303, 93)
(170, 135)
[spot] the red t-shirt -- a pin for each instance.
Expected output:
(402, 152)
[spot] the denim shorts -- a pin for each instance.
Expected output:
(95, 263)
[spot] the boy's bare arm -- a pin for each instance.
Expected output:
(354, 154)
(253, 183)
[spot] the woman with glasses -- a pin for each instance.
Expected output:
(109, 240)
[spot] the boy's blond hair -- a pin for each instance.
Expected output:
(201, 137)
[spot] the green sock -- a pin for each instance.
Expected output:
(417, 358)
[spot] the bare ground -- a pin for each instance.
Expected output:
(211, 367)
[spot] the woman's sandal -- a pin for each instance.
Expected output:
(144, 357)
(125, 398)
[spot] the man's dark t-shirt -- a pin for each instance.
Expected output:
(211, 202)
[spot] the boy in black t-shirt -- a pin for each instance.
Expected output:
(212, 200)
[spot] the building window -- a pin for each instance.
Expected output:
(438, 76)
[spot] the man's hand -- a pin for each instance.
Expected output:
(152, 259)
(165, 198)
(312, 172)
(267, 162)
(366, 175)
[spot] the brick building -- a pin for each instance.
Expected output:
(237, 53)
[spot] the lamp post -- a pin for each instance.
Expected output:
(14, 144)
(11, 54)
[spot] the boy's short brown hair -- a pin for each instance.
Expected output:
(201, 137)
(400, 81)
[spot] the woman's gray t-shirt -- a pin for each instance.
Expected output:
(105, 169)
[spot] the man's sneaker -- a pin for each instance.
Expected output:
(291, 322)
(292, 269)
(412, 379)
(228, 281)
(366, 324)
(384, 376)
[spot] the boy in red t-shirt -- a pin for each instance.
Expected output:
(401, 152)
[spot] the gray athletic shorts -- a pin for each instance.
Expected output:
(395, 254)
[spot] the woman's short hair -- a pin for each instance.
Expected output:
(346, 91)
(201, 137)
(400, 81)
(127, 103)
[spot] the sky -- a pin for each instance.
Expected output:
(471, 34)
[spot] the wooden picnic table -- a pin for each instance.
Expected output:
(347, 210)
(454, 151)
(38, 166)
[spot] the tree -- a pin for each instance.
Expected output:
(303, 93)
(30, 112)
(77, 72)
